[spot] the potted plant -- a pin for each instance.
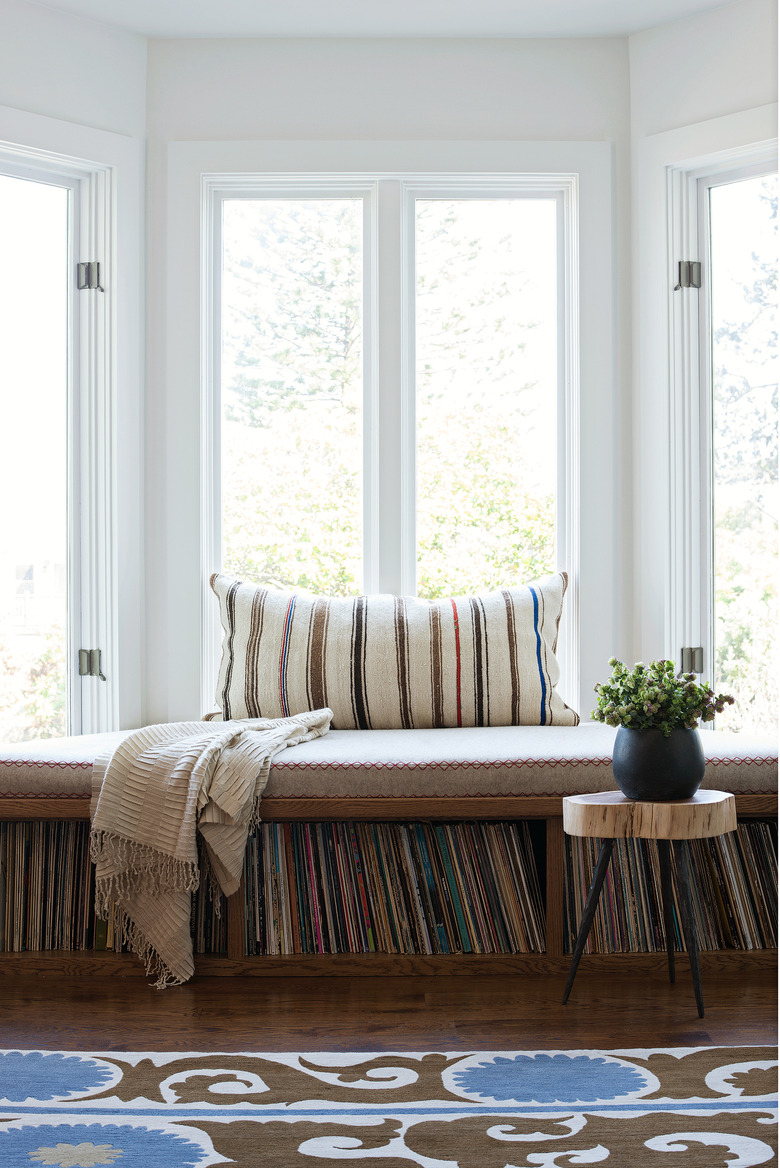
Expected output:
(657, 754)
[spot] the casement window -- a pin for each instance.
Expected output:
(724, 591)
(391, 383)
(70, 529)
(38, 222)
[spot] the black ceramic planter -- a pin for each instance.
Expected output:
(655, 769)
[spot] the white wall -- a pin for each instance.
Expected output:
(698, 85)
(394, 89)
(72, 69)
(350, 90)
(703, 67)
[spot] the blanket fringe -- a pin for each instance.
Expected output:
(208, 874)
(135, 939)
(134, 867)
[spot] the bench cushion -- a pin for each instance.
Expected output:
(445, 763)
(53, 767)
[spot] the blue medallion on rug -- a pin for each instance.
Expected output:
(550, 1078)
(93, 1145)
(28, 1075)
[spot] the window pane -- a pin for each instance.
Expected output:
(292, 392)
(33, 459)
(486, 351)
(744, 362)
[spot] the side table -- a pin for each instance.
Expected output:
(609, 815)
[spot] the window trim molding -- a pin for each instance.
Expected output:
(108, 385)
(177, 607)
(390, 314)
(690, 401)
(668, 548)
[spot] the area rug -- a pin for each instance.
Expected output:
(689, 1107)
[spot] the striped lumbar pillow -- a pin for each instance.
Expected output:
(391, 662)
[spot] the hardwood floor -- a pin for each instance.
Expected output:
(385, 1013)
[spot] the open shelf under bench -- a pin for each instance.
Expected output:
(235, 962)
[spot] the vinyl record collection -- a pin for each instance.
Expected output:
(208, 918)
(47, 889)
(47, 894)
(734, 893)
(427, 888)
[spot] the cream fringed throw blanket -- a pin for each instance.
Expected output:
(149, 800)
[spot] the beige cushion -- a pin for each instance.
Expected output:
(511, 760)
(52, 767)
(391, 662)
(499, 760)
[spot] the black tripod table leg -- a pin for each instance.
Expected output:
(665, 863)
(589, 911)
(684, 885)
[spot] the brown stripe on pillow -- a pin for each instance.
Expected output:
(486, 650)
(230, 612)
(319, 639)
(402, 661)
(511, 632)
(565, 578)
(359, 702)
(437, 691)
(309, 696)
(479, 678)
(251, 696)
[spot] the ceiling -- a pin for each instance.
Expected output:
(383, 18)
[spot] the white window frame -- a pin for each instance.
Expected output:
(34, 168)
(389, 403)
(667, 411)
(182, 655)
(105, 474)
(691, 563)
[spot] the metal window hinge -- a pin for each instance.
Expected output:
(90, 664)
(692, 660)
(688, 274)
(89, 276)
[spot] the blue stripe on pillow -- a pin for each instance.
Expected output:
(542, 719)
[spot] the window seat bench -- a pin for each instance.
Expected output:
(446, 775)
(517, 770)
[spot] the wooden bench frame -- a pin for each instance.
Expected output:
(553, 961)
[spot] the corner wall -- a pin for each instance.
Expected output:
(703, 67)
(76, 70)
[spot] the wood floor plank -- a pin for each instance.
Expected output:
(384, 1013)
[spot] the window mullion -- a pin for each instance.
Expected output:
(394, 512)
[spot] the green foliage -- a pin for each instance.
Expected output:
(293, 311)
(745, 451)
(33, 696)
(292, 391)
(477, 528)
(653, 697)
(45, 702)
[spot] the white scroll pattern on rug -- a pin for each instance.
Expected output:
(692, 1107)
